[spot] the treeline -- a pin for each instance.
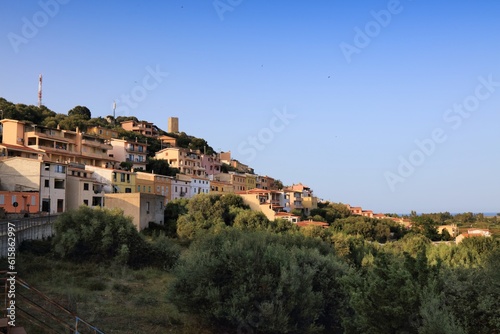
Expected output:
(235, 270)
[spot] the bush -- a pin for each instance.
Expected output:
(94, 234)
(107, 235)
(257, 280)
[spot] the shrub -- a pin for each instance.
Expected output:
(257, 280)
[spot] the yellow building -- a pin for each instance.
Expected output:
(145, 183)
(221, 187)
(116, 180)
(251, 181)
(238, 181)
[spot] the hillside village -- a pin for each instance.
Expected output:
(47, 171)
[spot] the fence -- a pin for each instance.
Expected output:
(25, 229)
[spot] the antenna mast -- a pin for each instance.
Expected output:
(40, 91)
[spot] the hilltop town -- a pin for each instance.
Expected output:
(134, 165)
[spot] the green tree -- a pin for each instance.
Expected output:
(277, 184)
(173, 210)
(160, 166)
(82, 111)
(385, 300)
(426, 226)
(260, 281)
(435, 316)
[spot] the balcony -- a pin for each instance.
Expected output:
(95, 155)
(96, 143)
(45, 133)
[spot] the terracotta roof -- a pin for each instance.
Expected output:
(312, 223)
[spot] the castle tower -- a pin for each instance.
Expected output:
(173, 124)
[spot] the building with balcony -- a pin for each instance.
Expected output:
(188, 161)
(167, 141)
(141, 127)
(265, 182)
(211, 163)
(94, 151)
(37, 142)
(199, 185)
(301, 198)
(129, 151)
(270, 202)
(180, 187)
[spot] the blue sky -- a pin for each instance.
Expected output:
(354, 117)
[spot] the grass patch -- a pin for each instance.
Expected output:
(113, 297)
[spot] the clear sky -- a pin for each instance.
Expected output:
(389, 105)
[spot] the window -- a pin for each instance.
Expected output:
(128, 178)
(60, 169)
(33, 200)
(138, 189)
(122, 177)
(96, 201)
(128, 190)
(86, 202)
(45, 205)
(47, 183)
(140, 148)
(2, 199)
(147, 207)
(47, 167)
(86, 187)
(59, 184)
(14, 198)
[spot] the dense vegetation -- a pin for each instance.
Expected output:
(239, 272)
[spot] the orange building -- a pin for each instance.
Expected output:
(20, 201)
